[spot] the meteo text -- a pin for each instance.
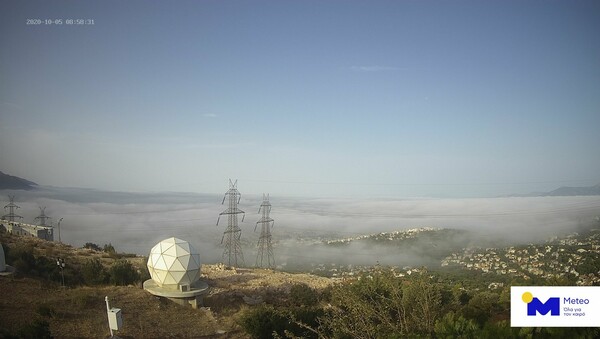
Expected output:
(575, 301)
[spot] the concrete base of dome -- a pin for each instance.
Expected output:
(193, 296)
(8, 270)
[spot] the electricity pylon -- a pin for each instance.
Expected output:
(265, 256)
(42, 217)
(231, 236)
(11, 210)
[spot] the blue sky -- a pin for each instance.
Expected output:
(313, 98)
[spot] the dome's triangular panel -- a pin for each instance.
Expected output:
(165, 246)
(185, 260)
(178, 276)
(154, 258)
(160, 264)
(182, 250)
(160, 276)
(192, 249)
(169, 279)
(169, 260)
(172, 251)
(196, 259)
(177, 266)
(197, 275)
(155, 249)
(192, 275)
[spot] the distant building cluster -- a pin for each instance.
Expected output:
(573, 255)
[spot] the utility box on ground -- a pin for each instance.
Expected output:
(115, 321)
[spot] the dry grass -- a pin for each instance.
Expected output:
(81, 311)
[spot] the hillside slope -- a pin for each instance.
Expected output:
(10, 182)
(80, 310)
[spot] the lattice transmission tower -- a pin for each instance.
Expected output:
(11, 210)
(231, 236)
(265, 256)
(42, 217)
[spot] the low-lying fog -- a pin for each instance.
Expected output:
(134, 222)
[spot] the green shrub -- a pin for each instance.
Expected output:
(93, 272)
(21, 257)
(122, 272)
(262, 321)
(453, 326)
(303, 295)
(143, 272)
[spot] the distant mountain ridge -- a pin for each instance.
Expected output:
(565, 191)
(10, 182)
(570, 191)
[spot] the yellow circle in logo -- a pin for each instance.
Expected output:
(527, 297)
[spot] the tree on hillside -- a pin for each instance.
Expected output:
(92, 246)
(109, 248)
(422, 301)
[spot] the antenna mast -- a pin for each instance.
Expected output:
(42, 217)
(11, 210)
(231, 236)
(265, 247)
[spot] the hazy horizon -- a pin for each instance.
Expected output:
(134, 222)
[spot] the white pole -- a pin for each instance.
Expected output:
(59, 230)
(107, 311)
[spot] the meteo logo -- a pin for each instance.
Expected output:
(535, 305)
(555, 306)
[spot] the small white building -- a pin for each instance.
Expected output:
(19, 228)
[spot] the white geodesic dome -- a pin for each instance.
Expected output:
(2, 260)
(174, 262)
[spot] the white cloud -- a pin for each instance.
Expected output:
(134, 222)
(209, 115)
